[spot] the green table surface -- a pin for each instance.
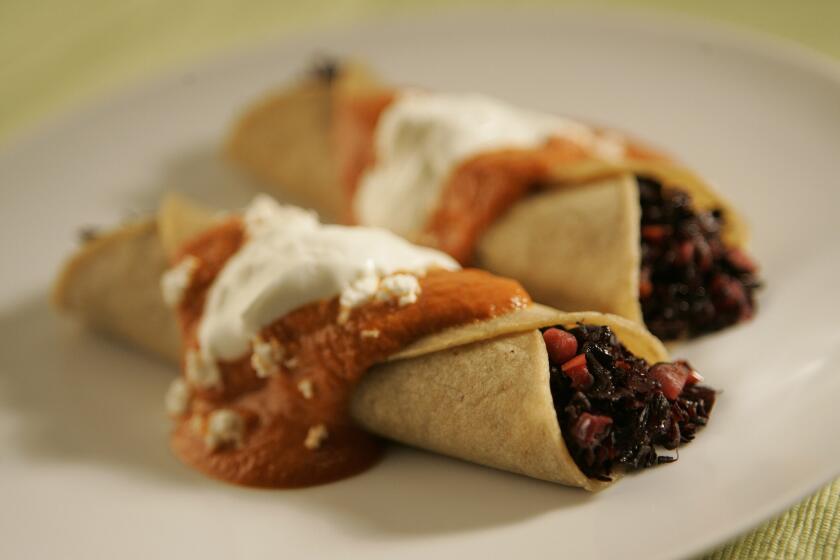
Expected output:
(58, 54)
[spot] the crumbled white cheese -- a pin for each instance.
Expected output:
(224, 427)
(403, 287)
(371, 333)
(196, 424)
(201, 372)
(176, 280)
(343, 315)
(360, 291)
(177, 397)
(306, 388)
(315, 437)
(267, 356)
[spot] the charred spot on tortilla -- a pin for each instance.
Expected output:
(86, 234)
(325, 68)
(691, 282)
(614, 408)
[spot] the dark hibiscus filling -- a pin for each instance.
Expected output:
(616, 410)
(690, 282)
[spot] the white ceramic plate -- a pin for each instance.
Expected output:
(84, 468)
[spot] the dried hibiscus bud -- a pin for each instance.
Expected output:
(655, 233)
(577, 371)
(590, 429)
(561, 346)
(739, 260)
(672, 377)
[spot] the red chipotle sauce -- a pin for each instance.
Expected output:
(291, 427)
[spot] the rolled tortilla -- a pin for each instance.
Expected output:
(577, 248)
(479, 392)
(573, 249)
(298, 156)
(483, 396)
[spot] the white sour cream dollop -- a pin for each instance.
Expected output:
(290, 259)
